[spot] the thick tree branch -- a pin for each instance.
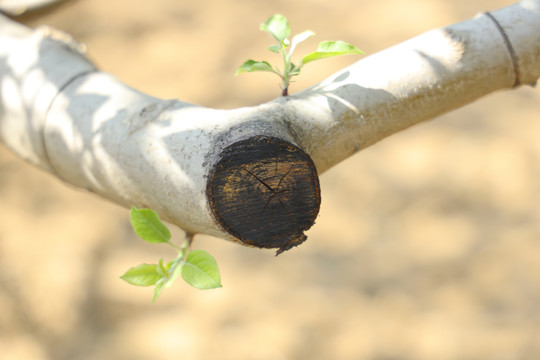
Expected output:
(185, 161)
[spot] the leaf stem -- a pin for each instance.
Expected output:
(175, 246)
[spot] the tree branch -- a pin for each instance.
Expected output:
(247, 174)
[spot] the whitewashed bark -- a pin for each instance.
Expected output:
(17, 7)
(87, 128)
(416, 81)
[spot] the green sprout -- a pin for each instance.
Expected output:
(278, 26)
(198, 268)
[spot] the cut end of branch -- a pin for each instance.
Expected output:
(265, 192)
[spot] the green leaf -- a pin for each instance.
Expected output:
(291, 66)
(295, 70)
(157, 290)
(201, 270)
(147, 225)
(274, 48)
(162, 269)
(252, 65)
(142, 275)
(297, 39)
(331, 48)
(338, 46)
(278, 26)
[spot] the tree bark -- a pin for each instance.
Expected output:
(248, 174)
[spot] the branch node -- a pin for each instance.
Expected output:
(509, 47)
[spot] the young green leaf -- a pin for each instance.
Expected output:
(331, 48)
(201, 270)
(278, 26)
(162, 269)
(274, 48)
(297, 39)
(142, 275)
(252, 65)
(157, 290)
(147, 225)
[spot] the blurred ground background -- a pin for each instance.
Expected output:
(427, 245)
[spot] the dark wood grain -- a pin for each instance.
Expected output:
(265, 192)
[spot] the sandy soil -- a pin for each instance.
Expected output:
(427, 245)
